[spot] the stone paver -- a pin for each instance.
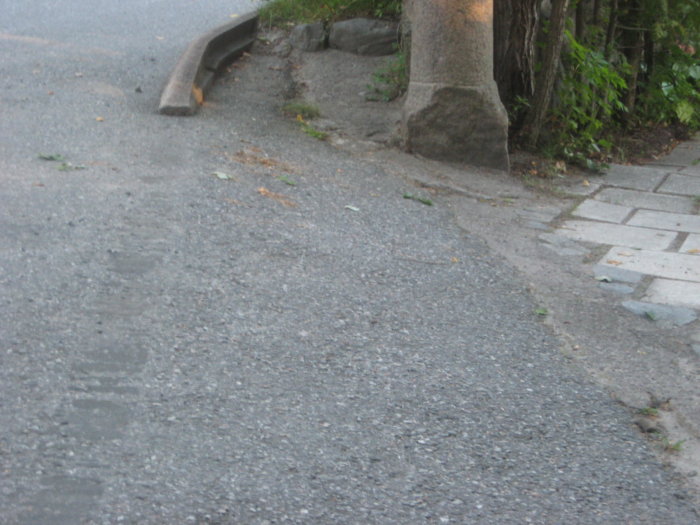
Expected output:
(683, 155)
(669, 265)
(691, 171)
(676, 315)
(646, 200)
(613, 273)
(681, 185)
(616, 234)
(602, 211)
(667, 291)
(691, 245)
(662, 220)
(634, 177)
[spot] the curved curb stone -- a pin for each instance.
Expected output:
(203, 59)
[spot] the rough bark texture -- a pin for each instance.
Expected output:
(515, 31)
(545, 81)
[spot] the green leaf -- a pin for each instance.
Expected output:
(67, 166)
(542, 311)
(417, 198)
(286, 180)
(52, 156)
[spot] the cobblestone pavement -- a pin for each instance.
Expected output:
(648, 217)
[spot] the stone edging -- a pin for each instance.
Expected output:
(194, 73)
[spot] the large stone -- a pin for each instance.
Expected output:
(309, 37)
(452, 110)
(364, 36)
(456, 123)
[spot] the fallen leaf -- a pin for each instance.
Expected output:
(67, 166)
(586, 183)
(454, 260)
(694, 250)
(282, 199)
(222, 176)
(613, 262)
(255, 156)
(234, 15)
(51, 156)
(422, 200)
(286, 180)
(100, 119)
(352, 208)
(198, 94)
(542, 311)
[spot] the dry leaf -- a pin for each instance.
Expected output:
(694, 250)
(283, 200)
(198, 94)
(613, 262)
(250, 157)
(454, 260)
(100, 119)
(586, 183)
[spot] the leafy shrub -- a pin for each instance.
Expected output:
(300, 11)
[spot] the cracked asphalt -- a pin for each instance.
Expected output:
(290, 341)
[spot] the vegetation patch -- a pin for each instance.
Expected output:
(305, 11)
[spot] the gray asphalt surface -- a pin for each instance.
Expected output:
(178, 348)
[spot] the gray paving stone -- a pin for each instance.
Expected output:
(683, 155)
(617, 235)
(679, 293)
(691, 245)
(602, 211)
(618, 288)
(646, 200)
(616, 274)
(561, 245)
(696, 349)
(663, 220)
(691, 171)
(581, 190)
(634, 177)
(676, 315)
(544, 214)
(677, 266)
(681, 185)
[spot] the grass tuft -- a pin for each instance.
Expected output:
(304, 11)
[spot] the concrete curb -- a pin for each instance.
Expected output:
(203, 59)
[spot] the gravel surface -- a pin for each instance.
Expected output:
(181, 347)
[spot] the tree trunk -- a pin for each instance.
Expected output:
(545, 81)
(580, 30)
(515, 29)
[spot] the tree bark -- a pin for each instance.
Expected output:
(545, 81)
(515, 30)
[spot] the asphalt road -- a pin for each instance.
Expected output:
(293, 342)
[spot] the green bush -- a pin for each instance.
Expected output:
(302, 11)
(588, 100)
